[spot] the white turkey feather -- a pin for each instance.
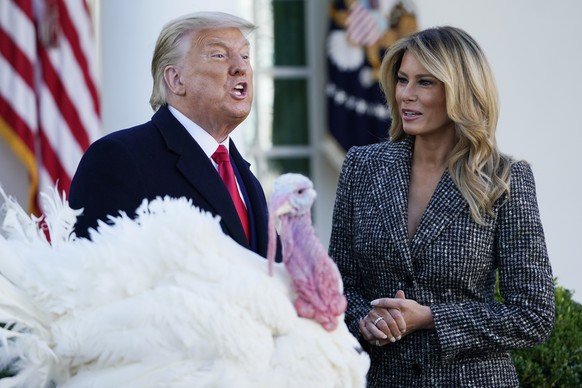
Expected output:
(17, 224)
(166, 299)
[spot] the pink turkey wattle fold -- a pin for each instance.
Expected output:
(315, 278)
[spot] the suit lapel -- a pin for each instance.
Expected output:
(199, 172)
(256, 197)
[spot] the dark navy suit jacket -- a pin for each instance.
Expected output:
(156, 159)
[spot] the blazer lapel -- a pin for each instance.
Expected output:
(391, 175)
(199, 172)
(444, 207)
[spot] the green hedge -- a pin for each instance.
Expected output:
(558, 361)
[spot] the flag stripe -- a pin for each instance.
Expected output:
(19, 61)
(361, 26)
(71, 75)
(15, 123)
(54, 168)
(51, 131)
(16, 21)
(18, 96)
(75, 44)
(54, 83)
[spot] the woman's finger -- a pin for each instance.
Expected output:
(375, 328)
(390, 327)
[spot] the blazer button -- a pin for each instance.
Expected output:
(409, 283)
(417, 368)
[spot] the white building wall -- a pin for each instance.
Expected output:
(533, 46)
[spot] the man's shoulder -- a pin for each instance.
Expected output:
(131, 134)
(143, 130)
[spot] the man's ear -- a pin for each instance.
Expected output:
(174, 80)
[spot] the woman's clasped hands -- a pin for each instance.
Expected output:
(390, 319)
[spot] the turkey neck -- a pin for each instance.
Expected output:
(297, 224)
(295, 229)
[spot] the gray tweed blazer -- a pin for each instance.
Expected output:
(449, 265)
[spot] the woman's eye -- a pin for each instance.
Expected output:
(401, 80)
(425, 82)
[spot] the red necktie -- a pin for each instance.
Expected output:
(220, 156)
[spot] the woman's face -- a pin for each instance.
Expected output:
(421, 100)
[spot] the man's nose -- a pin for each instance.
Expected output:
(240, 66)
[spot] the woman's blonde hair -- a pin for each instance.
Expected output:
(451, 55)
(169, 50)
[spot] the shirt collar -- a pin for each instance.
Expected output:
(203, 138)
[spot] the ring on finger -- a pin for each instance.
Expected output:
(377, 343)
(377, 320)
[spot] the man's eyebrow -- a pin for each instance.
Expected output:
(219, 42)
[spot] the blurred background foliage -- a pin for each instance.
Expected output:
(558, 361)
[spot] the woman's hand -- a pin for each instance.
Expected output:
(383, 325)
(415, 315)
(392, 318)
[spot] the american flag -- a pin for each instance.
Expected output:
(357, 112)
(361, 26)
(359, 34)
(49, 102)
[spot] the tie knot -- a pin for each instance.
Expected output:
(220, 155)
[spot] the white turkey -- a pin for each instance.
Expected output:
(162, 300)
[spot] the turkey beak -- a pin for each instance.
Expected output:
(283, 209)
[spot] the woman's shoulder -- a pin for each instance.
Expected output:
(522, 187)
(518, 168)
(521, 176)
(387, 149)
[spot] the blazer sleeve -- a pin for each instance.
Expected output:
(525, 316)
(341, 246)
(106, 182)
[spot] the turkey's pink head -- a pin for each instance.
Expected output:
(293, 195)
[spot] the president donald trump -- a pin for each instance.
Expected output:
(202, 90)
